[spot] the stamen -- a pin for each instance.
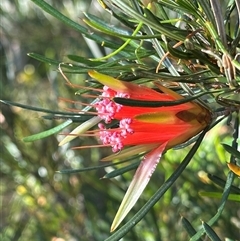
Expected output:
(74, 101)
(96, 96)
(98, 131)
(106, 109)
(87, 147)
(84, 87)
(79, 111)
(67, 134)
(90, 96)
(66, 100)
(88, 133)
(114, 137)
(64, 76)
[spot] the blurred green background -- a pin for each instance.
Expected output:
(40, 204)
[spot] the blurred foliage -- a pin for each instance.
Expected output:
(38, 203)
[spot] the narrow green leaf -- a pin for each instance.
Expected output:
(75, 118)
(141, 18)
(106, 28)
(37, 108)
(231, 150)
(122, 170)
(144, 103)
(207, 10)
(198, 54)
(231, 197)
(48, 132)
(222, 183)
(188, 6)
(189, 78)
(92, 168)
(210, 232)
(43, 59)
(70, 67)
(52, 11)
(188, 227)
(83, 60)
(179, 53)
(101, 25)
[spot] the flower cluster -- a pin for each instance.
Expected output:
(146, 125)
(153, 129)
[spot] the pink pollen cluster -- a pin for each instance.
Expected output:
(107, 108)
(115, 137)
(124, 125)
(112, 138)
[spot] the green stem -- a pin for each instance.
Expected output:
(122, 47)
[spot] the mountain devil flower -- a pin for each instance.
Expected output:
(152, 130)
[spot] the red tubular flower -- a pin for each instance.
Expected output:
(146, 125)
(144, 129)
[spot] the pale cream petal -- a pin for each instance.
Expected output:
(138, 184)
(80, 129)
